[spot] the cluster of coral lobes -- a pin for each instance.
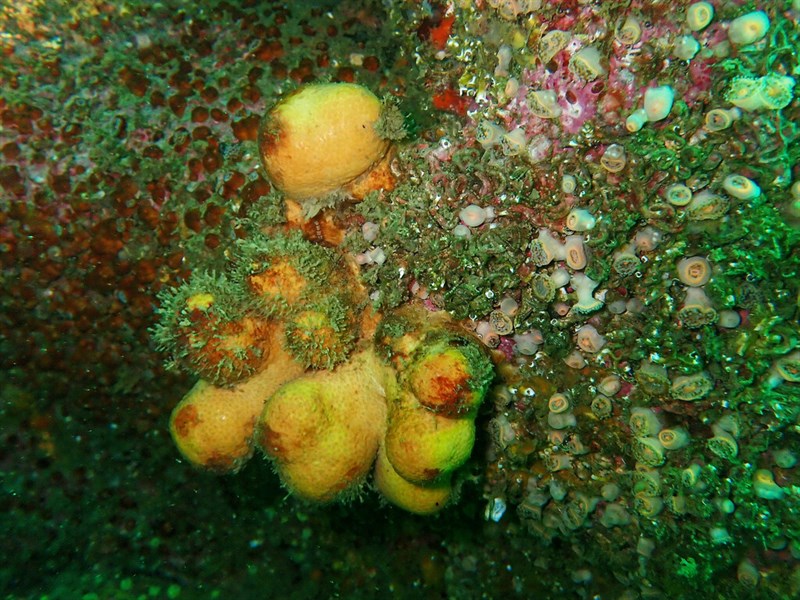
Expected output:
(455, 299)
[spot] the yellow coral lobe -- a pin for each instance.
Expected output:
(213, 426)
(414, 498)
(321, 138)
(201, 301)
(441, 382)
(424, 446)
(322, 430)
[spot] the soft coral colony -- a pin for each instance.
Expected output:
(600, 208)
(283, 338)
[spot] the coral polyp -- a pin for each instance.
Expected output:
(209, 327)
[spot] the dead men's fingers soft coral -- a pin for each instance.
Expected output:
(213, 426)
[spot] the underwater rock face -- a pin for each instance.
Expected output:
(606, 196)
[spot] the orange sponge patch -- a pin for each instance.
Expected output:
(280, 280)
(321, 138)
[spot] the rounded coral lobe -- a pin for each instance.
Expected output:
(320, 138)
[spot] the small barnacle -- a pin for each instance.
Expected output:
(686, 47)
(575, 446)
(557, 462)
(706, 206)
(575, 360)
(561, 421)
(544, 104)
(718, 119)
(643, 422)
(690, 476)
(764, 485)
(580, 219)
(729, 423)
(539, 148)
(472, 215)
(495, 509)
(589, 340)
(542, 287)
(744, 92)
(646, 480)
(491, 339)
(585, 63)
(699, 15)
(560, 277)
(568, 183)
(747, 574)
(678, 194)
(610, 492)
(784, 458)
(658, 102)
(692, 387)
(489, 134)
(584, 288)
(625, 262)
(719, 536)
(647, 239)
(748, 28)
(545, 249)
(636, 120)
(575, 512)
(575, 252)
(652, 378)
(514, 142)
(677, 504)
(673, 438)
(648, 506)
(788, 367)
(552, 43)
(527, 343)
(629, 32)
(615, 515)
(648, 451)
(511, 9)
(694, 271)
(504, 56)
(501, 323)
(558, 403)
(528, 511)
(601, 406)
(509, 306)
(741, 187)
(501, 432)
(613, 159)
(776, 91)
(609, 385)
(697, 310)
(723, 444)
(487, 335)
